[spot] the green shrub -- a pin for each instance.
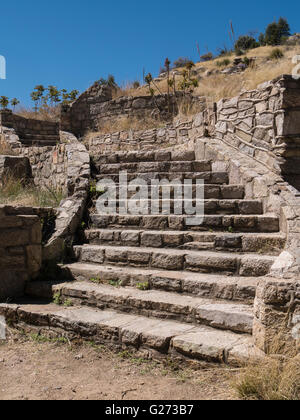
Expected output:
(245, 43)
(223, 63)
(276, 32)
(181, 62)
(276, 54)
(207, 57)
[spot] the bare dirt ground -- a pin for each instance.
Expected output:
(34, 369)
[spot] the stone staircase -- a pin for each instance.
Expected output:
(154, 283)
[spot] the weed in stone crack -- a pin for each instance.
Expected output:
(143, 286)
(96, 280)
(68, 303)
(116, 283)
(57, 298)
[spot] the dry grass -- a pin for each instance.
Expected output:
(125, 124)
(272, 379)
(44, 114)
(221, 86)
(15, 192)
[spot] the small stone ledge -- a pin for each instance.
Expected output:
(276, 326)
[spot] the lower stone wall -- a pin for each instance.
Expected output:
(276, 327)
(16, 166)
(20, 250)
(180, 132)
(58, 167)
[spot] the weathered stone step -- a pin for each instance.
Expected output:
(34, 142)
(145, 167)
(208, 177)
(210, 286)
(236, 223)
(224, 315)
(152, 337)
(211, 191)
(172, 259)
(41, 137)
(169, 206)
(271, 243)
(158, 156)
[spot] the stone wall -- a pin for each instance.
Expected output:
(30, 131)
(276, 327)
(20, 249)
(57, 167)
(265, 124)
(16, 166)
(96, 107)
(180, 132)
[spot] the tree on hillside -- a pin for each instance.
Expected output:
(245, 43)
(181, 62)
(14, 102)
(4, 101)
(53, 95)
(276, 32)
(37, 96)
(207, 57)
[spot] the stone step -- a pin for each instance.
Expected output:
(172, 259)
(169, 206)
(158, 156)
(41, 137)
(146, 167)
(34, 142)
(152, 338)
(240, 289)
(235, 223)
(223, 315)
(207, 177)
(211, 191)
(271, 244)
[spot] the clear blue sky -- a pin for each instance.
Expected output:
(72, 43)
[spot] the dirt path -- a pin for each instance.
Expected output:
(34, 370)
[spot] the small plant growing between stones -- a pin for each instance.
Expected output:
(96, 280)
(143, 286)
(68, 303)
(57, 298)
(116, 283)
(230, 229)
(276, 54)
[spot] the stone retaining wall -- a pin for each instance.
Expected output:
(264, 123)
(16, 166)
(20, 249)
(57, 167)
(180, 132)
(96, 107)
